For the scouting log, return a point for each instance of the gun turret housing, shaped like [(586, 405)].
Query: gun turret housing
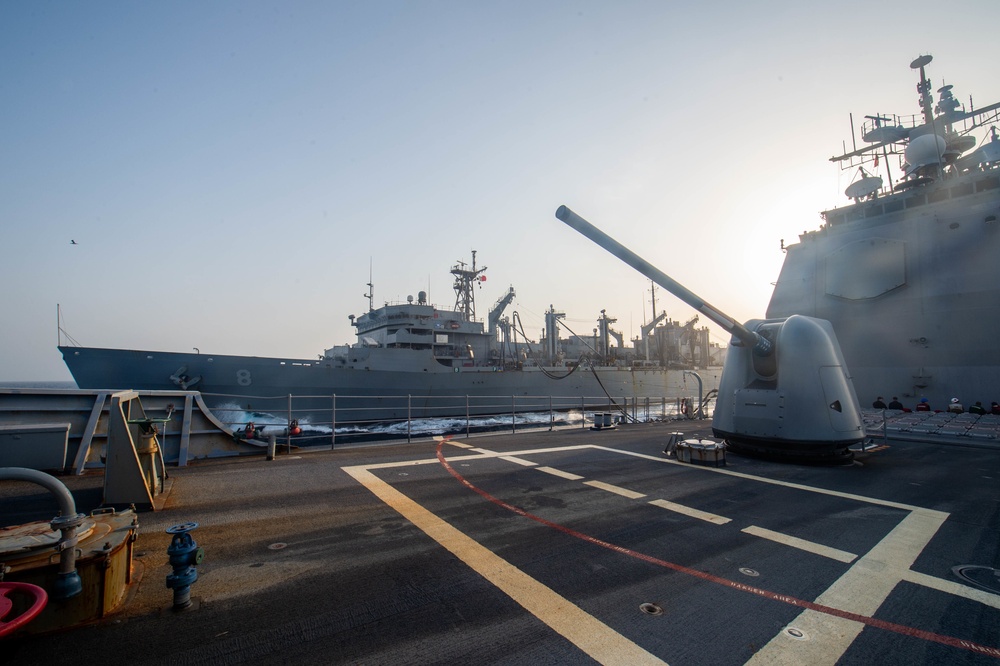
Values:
[(785, 388)]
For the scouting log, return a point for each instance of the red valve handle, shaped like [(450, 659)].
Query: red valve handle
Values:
[(37, 593)]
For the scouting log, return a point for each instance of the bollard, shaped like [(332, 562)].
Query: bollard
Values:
[(672, 441), (272, 445), (184, 554)]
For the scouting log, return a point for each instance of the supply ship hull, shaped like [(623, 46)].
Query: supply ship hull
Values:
[(909, 275), (374, 388)]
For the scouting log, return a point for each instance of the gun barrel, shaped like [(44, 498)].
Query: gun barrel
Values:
[(760, 344)]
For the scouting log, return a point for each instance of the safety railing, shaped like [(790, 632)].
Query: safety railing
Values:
[(321, 421)]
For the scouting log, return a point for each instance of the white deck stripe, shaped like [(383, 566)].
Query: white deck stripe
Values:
[(596, 639), (557, 472), (951, 587), (761, 479), (862, 589), (688, 511), (624, 492), (518, 461), (453, 442), (801, 544)]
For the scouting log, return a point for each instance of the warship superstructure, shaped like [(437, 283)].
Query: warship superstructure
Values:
[(909, 272), (414, 360)]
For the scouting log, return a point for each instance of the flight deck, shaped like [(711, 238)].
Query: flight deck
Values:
[(571, 546)]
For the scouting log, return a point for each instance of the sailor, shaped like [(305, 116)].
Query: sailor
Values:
[(896, 404), (923, 405), (995, 408), (955, 407), (977, 408), (878, 404)]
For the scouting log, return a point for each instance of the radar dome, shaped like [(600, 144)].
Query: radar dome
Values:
[(923, 151)]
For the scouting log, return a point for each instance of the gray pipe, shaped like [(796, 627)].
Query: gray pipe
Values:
[(759, 344), (68, 583), (701, 411)]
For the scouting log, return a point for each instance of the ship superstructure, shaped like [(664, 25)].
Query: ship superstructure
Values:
[(908, 273)]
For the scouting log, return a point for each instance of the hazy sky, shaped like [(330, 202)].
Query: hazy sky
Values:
[(230, 170)]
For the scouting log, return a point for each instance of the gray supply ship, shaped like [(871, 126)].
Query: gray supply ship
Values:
[(416, 360), (909, 273)]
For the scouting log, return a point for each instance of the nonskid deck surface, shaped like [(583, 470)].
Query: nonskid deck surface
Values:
[(572, 546)]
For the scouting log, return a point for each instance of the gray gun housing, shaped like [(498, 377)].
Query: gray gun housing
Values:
[(785, 388)]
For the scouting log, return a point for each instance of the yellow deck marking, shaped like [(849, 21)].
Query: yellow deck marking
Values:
[(557, 472), (801, 544), (596, 639), (862, 589), (624, 492), (688, 511)]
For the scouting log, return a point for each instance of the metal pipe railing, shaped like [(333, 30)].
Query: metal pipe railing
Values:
[(365, 419), (68, 583)]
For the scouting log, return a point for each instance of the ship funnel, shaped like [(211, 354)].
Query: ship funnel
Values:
[(785, 389)]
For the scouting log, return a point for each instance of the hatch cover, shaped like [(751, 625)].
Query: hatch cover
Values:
[(866, 269)]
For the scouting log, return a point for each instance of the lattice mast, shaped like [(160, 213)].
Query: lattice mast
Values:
[(465, 277)]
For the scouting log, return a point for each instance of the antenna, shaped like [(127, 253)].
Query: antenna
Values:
[(924, 87), (652, 289), (371, 288)]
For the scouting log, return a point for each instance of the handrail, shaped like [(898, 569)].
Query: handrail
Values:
[(327, 418)]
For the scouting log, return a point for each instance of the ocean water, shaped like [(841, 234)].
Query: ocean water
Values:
[(37, 385)]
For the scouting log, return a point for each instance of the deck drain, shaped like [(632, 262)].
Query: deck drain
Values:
[(277, 546), (651, 609), (748, 572), (797, 634), (985, 578)]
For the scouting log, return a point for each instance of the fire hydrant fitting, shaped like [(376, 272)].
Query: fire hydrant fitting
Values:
[(184, 555)]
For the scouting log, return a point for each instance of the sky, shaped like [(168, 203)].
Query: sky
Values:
[(233, 172)]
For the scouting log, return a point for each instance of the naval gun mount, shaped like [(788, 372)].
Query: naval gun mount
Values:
[(785, 389)]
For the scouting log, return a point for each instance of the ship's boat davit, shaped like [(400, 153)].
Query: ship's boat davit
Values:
[(785, 389)]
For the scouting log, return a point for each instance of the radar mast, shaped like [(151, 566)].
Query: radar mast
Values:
[(465, 299)]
